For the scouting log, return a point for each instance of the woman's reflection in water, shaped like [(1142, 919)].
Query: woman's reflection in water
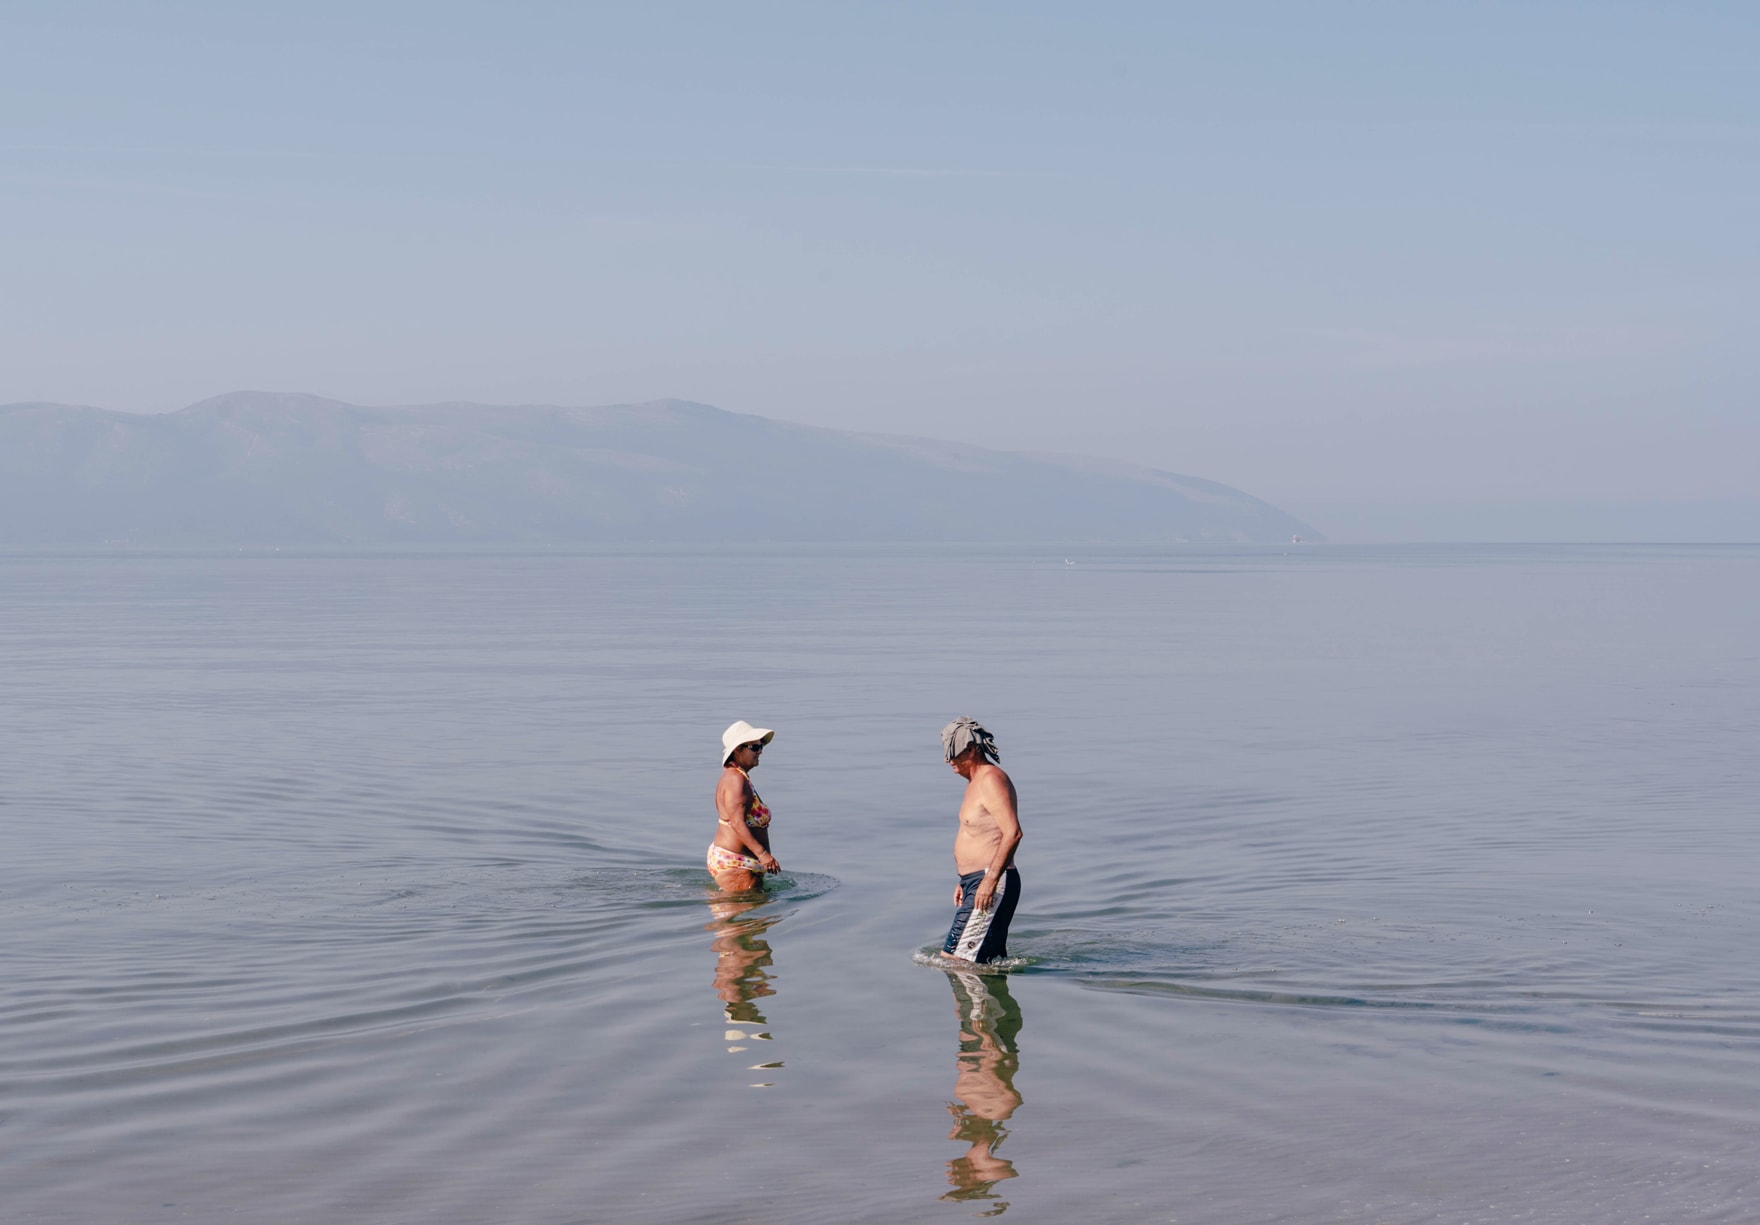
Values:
[(741, 978), (983, 1088)]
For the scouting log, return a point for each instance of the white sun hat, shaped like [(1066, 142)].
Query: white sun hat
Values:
[(743, 733)]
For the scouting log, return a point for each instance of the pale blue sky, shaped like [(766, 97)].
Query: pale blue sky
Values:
[(1342, 255)]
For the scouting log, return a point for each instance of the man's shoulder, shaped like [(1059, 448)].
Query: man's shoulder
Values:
[(991, 774)]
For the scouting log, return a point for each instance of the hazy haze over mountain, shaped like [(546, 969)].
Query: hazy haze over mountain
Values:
[(1414, 271), (268, 468)]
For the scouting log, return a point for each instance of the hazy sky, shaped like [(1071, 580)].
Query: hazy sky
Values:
[(1389, 253)]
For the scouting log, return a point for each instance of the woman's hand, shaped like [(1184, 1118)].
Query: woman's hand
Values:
[(959, 894), (769, 861)]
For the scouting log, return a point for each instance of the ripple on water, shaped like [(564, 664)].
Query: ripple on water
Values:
[(135, 986), (1554, 977), (931, 955)]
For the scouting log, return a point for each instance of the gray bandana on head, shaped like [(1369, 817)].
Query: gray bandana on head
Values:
[(962, 733)]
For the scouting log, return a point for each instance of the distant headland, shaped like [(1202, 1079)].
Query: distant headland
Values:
[(262, 468)]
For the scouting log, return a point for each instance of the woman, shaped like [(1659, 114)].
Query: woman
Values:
[(740, 855)]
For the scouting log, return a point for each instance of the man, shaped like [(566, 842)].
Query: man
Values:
[(983, 849)]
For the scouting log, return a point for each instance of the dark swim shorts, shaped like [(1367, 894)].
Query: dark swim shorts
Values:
[(983, 935)]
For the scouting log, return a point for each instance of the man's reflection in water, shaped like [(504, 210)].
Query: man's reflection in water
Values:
[(983, 1087), (741, 957)]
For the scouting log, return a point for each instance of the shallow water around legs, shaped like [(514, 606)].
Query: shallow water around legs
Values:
[(1360, 885)]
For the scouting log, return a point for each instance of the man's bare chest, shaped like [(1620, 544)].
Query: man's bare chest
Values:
[(974, 818)]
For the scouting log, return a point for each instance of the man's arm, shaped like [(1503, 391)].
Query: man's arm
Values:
[(996, 793)]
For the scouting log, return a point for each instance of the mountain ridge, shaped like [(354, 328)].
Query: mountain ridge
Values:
[(251, 467)]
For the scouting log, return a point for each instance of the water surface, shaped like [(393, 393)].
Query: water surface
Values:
[(1378, 885)]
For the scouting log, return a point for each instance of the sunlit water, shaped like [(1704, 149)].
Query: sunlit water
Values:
[(1360, 885)]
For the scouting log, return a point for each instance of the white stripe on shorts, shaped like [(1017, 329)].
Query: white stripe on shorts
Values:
[(978, 925)]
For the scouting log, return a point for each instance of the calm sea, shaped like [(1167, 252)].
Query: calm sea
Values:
[(1360, 885)]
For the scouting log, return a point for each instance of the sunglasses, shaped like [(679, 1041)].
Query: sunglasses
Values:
[(756, 748)]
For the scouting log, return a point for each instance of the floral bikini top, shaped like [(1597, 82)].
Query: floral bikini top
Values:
[(757, 812)]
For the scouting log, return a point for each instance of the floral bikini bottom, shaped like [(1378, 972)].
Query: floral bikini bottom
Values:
[(723, 860)]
